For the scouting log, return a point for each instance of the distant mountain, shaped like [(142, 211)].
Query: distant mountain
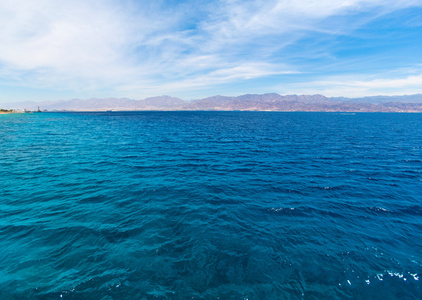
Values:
[(248, 102), (105, 104), (266, 102)]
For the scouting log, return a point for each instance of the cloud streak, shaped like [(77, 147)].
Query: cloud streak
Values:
[(356, 86)]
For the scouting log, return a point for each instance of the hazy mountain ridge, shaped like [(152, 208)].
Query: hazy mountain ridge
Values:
[(247, 102)]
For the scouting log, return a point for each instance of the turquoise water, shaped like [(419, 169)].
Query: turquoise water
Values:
[(208, 205)]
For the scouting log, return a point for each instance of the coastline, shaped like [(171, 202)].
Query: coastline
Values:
[(214, 110), (10, 112)]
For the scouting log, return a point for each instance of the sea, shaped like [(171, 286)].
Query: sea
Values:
[(211, 205)]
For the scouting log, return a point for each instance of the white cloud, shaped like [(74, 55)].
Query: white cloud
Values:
[(359, 85), (77, 42), (212, 79), (246, 19)]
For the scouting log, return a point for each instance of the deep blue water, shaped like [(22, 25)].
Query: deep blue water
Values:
[(208, 205)]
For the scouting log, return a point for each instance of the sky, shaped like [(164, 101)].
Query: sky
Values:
[(56, 50)]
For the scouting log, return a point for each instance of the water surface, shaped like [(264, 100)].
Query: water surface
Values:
[(207, 205)]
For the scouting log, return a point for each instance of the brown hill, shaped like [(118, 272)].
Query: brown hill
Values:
[(248, 102)]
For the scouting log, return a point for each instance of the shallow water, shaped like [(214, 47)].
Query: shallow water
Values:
[(205, 205)]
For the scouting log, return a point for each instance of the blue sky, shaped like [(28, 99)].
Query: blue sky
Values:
[(53, 50)]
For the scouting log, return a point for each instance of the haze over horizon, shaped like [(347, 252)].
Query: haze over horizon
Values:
[(189, 49)]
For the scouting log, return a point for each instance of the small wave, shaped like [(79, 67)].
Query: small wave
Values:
[(282, 209), (379, 209), (304, 212), (329, 188), (381, 277), (399, 275)]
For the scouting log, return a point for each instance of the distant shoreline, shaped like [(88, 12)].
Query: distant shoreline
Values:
[(278, 111), (10, 112)]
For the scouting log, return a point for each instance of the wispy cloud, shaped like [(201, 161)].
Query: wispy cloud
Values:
[(213, 79), (402, 81), (143, 48)]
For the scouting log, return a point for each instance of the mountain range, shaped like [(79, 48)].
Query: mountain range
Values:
[(248, 102)]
